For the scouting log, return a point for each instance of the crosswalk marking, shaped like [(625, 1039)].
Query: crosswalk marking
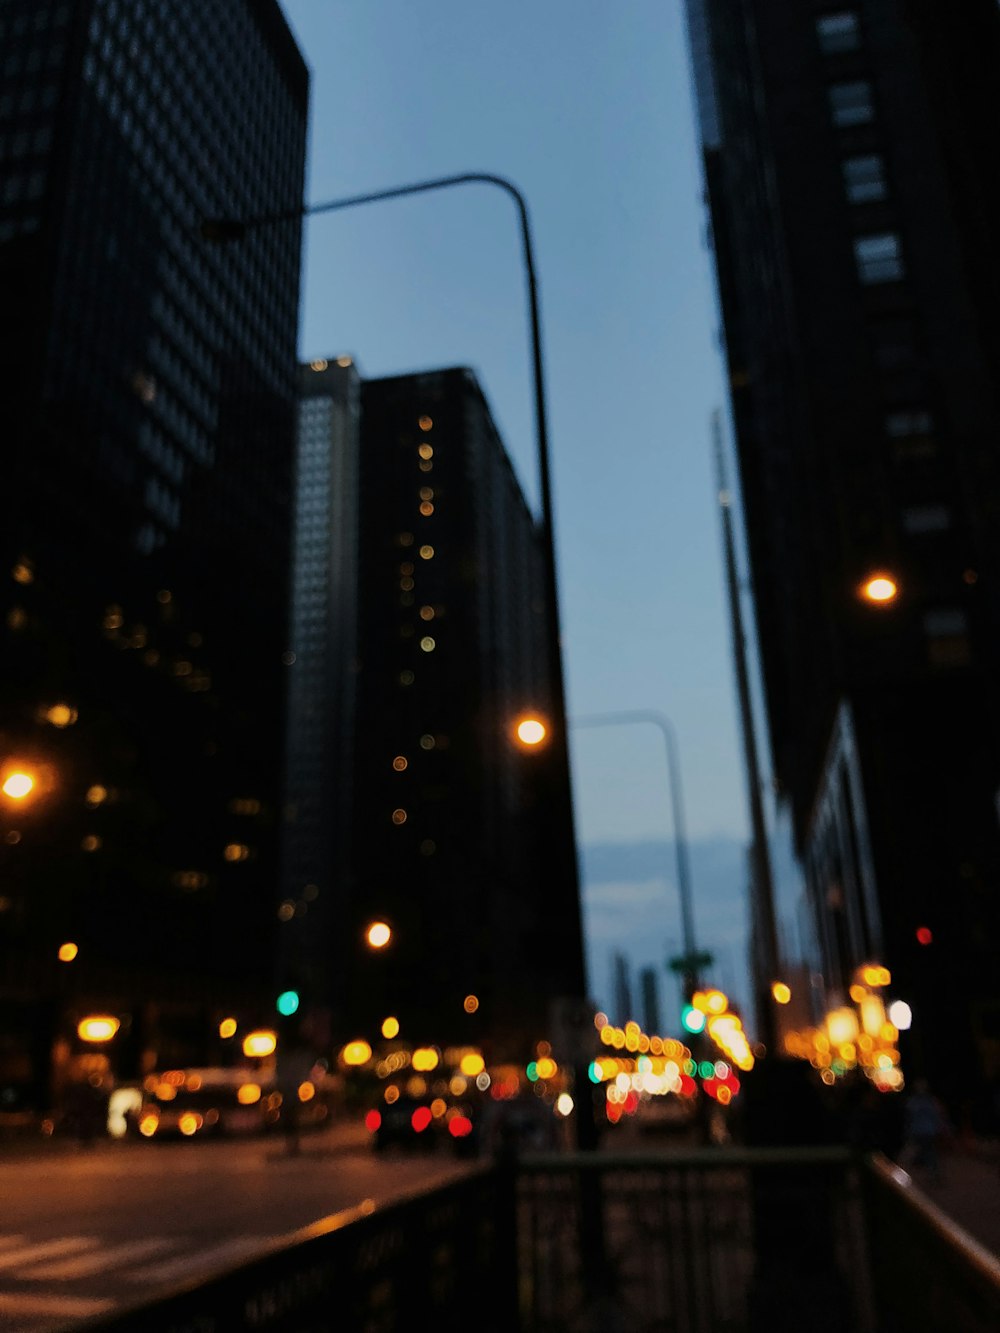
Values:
[(46, 1249), (188, 1265), (27, 1305), (87, 1265)]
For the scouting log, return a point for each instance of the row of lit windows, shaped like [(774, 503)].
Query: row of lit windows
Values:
[(879, 259)]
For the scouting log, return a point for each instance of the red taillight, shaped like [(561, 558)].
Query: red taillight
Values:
[(421, 1118), (459, 1126), (372, 1121)]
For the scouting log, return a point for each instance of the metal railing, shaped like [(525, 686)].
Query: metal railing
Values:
[(705, 1241)]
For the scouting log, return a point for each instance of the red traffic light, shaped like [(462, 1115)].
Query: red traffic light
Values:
[(924, 935)]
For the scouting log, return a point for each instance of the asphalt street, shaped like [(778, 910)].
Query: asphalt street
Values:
[(84, 1231)]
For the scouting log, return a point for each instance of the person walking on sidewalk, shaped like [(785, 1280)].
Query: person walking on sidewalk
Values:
[(926, 1127)]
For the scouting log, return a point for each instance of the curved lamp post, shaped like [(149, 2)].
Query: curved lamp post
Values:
[(233, 229), (692, 960)]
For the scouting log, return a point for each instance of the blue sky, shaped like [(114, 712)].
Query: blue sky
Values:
[(587, 107)]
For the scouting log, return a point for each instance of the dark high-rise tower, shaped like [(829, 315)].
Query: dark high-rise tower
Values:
[(455, 843), (848, 155), (148, 398), (316, 862)]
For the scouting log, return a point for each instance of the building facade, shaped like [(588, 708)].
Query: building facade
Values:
[(149, 421), (847, 152), (316, 861), (458, 844)]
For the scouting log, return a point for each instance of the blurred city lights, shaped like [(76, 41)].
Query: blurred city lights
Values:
[(97, 1027), (248, 1094), (227, 1028), (356, 1052), (17, 785), (924, 935), (67, 952), (261, 1043), (781, 992), (900, 1015), (390, 1027), (470, 1004), (287, 1003)]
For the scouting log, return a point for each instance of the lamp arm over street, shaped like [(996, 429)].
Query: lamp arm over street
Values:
[(689, 964), (233, 229)]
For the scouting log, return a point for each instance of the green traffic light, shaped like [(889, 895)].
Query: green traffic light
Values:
[(287, 1002), (692, 1019)]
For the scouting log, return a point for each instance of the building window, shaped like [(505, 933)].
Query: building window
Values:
[(852, 103), (864, 178), (926, 518), (838, 32), (917, 421), (878, 258), (947, 633)]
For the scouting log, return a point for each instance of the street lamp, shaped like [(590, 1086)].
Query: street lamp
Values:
[(234, 229), (692, 960)]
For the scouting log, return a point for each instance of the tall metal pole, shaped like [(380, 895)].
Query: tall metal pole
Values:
[(232, 229), (691, 956), (763, 885)]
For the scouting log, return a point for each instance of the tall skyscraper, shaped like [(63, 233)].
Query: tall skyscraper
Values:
[(848, 154), (316, 864), (148, 399), (454, 841)]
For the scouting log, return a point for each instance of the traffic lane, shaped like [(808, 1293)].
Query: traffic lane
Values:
[(125, 1191)]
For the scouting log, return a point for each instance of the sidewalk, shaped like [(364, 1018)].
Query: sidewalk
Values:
[(968, 1190)]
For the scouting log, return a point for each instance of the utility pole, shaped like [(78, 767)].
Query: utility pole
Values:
[(763, 885)]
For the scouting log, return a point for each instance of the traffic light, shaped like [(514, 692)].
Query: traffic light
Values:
[(287, 1003), (692, 1019)]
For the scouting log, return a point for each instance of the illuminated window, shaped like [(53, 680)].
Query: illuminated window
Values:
[(427, 644), (852, 103), (405, 539), (399, 816), (838, 32), (878, 258), (406, 567), (864, 178), (406, 584), (399, 763), (427, 613), (427, 553), (427, 742), (426, 451), (425, 423), (425, 467), (426, 508), (427, 492)]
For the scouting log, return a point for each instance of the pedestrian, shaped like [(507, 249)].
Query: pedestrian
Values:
[(926, 1127)]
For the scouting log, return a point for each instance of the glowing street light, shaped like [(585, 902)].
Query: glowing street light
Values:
[(378, 934), (880, 589), (531, 731), (97, 1027), (18, 784), (67, 952)]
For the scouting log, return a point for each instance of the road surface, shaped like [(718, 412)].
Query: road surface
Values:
[(87, 1231)]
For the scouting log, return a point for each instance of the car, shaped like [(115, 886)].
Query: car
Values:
[(417, 1124)]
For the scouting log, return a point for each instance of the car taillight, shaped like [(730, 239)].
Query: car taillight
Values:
[(372, 1121), (421, 1118)]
